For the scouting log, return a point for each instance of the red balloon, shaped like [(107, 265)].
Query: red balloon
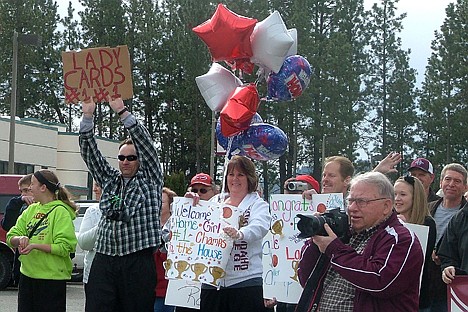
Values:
[(239, 110), (227, 35)]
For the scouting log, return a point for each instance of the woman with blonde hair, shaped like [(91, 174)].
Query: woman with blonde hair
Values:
[(45, 236), (411, 205)]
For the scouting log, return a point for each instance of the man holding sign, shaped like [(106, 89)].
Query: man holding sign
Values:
[(123, 274)]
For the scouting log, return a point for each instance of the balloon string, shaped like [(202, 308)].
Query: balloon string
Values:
[(226, 162)]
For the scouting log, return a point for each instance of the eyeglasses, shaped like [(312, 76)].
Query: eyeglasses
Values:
[(202, 190), (361, 202), (128, 157)]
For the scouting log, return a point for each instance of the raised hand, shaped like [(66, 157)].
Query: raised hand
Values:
[(88, 106)]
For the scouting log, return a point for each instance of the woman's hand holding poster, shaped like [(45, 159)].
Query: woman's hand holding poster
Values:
[(199, 249)]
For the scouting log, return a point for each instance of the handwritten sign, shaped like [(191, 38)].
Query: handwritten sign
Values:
[(285, 244), (182, 293), (97, 73), (199, 249), (287, 292), (457, 294)]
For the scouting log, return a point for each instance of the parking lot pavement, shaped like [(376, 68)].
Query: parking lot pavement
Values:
[(75, 298)]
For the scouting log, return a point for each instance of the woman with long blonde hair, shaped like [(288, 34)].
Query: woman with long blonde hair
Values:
[(411, 205)]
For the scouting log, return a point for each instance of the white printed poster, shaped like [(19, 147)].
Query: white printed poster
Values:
[(199, 249)]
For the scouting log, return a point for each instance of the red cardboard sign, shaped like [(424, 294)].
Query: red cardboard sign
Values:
[(97, 73), (457, 294)]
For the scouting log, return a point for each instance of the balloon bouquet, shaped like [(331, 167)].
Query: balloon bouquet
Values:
[(242, 43)]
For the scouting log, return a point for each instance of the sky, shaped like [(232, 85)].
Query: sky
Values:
[(423, 18)]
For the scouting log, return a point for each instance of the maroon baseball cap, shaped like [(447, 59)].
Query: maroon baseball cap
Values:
[(201, 178), (308, 179), (423, 164)]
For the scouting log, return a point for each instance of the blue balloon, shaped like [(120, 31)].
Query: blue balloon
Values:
[(264, 142), (291, 80), (237, 139), (224, 141)]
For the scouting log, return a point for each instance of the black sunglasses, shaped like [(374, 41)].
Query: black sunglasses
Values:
[(202, 190), (409, 179), (128, 157)]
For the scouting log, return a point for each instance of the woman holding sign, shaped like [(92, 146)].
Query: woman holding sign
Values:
[(241, 287)]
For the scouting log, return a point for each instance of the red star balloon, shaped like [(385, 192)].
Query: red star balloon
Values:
[(239, 110), (227, 35)]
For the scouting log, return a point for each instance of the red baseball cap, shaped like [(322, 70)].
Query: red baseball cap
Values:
[(201, 178), (308, 179), (423, 164)]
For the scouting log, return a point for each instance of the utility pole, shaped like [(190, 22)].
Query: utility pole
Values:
[(30, 39)]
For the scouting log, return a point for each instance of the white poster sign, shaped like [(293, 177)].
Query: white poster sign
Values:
[(199, 249)]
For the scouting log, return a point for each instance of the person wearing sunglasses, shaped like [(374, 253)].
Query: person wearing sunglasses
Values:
[(377, 270), (129, 229), (411, 206), (203, 185)]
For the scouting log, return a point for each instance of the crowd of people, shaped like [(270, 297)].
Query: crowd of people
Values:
[(375, 266)]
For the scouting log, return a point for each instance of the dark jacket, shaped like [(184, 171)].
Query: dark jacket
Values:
[(425, 292), (453, 250), (386, 274), (438, 289), (432, 196), (13, 210)]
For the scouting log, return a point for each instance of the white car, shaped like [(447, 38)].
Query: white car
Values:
[(78, 260)]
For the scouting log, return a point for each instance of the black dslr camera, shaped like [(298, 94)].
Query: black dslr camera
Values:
[(116, 215), (310, 225), (116, 212)]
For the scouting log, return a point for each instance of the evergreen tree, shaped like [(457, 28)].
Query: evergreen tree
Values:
[(444, 95), (384, 56)]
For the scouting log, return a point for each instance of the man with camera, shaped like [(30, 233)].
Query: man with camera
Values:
[(123, 274), (300, 184), (375, 266)]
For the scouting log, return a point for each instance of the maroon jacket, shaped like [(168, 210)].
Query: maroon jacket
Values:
[(386, 275)]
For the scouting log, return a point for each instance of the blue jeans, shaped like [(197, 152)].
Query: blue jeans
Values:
[(159, 306)]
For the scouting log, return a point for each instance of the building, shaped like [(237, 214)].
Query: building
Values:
[(44, 145)]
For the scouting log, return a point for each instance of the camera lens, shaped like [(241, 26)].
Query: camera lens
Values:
[(291, 186)]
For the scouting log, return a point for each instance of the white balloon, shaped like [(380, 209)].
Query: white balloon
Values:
[(216, 86), (270, 42), (293, 49)]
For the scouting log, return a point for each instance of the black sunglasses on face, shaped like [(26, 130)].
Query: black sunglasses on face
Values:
[(128, 157), (202, 190)]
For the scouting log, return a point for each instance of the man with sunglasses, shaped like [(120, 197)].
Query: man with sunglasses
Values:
[(122, 277), (203, 185), (377, 270)]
